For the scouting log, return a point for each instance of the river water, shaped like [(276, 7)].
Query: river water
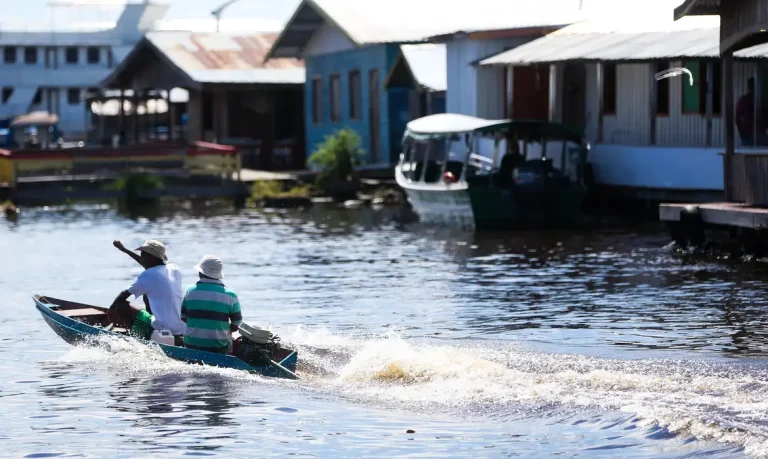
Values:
[(592, 343)]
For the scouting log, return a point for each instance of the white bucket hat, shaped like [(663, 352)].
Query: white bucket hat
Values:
[(211, 266), (154, 248)]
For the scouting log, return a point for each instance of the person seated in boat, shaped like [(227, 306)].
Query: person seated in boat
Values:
[(210, 310), (160, 285)]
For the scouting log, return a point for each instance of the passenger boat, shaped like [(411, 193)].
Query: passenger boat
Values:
[(538, 181), (79, 323)]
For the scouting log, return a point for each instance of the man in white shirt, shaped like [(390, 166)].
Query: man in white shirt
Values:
[(160, 284)]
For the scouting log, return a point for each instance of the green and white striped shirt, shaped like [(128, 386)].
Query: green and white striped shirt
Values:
[(209, 308)]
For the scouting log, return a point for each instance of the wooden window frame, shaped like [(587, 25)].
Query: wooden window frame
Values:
[(316, 99), (611, 111), (334, 97), (355, 94)]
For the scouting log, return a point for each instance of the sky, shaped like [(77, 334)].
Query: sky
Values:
[(40, 15)]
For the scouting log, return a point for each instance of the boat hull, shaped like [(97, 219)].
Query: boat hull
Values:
[(78, 333)]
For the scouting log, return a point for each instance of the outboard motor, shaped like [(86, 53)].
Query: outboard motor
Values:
[(257, 345)]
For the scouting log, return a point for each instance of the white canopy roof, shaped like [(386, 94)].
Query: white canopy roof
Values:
[(449, 123)]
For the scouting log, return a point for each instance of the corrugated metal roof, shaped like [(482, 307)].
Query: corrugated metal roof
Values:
[(611, 39), (224, 58), (403, 21), (428, 65)]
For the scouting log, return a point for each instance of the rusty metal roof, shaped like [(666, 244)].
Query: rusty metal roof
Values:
[(227, 58)]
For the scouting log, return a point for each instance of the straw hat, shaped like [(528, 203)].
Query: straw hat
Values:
[(211, 266), (154, 248)]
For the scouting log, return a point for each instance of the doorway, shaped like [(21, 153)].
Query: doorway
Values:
[(530, 86), (374, 115), (575, 95)]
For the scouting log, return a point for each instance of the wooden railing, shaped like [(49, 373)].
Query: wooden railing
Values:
[(200, 158), (749, 179)]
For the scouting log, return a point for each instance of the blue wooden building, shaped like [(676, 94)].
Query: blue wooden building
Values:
[(349, 59)]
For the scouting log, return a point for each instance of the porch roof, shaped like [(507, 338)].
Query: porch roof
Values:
[(628, 40), (425, 64), (697, 8), (213, 58)]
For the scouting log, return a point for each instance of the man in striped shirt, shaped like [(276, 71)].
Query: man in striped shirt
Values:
[(210, 310)]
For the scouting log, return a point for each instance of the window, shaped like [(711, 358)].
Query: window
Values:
[(692, 94), (30, 55), (38, 99), (317, 100), (355, 95), (609, 88), (662, 90), (717, 88), (94, 55), (73, 96), (71, 55), (7, 93), (9, 55), (335, 98)]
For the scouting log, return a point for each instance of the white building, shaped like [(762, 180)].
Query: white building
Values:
[(51, 71)]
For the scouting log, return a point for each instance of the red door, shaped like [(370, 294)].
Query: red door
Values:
[(530, 96)]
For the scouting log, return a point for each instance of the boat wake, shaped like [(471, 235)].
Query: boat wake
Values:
[(720, 402), (710, 401)]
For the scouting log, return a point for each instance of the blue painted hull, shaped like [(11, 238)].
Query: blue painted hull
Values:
[(75, 332)]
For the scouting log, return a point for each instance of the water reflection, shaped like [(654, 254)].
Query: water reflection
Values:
[(177, 400)]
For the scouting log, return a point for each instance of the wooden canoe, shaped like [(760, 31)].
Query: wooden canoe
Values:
[(75, 323)]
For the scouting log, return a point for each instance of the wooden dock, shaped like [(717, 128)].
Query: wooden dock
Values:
[(729, 214)]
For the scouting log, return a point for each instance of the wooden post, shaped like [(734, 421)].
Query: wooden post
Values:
[(510, 92), (136, 130), (653, 108), (553, 99), (710, 100), (171, 118), (755, 109), (758, 104), (730, 139), (121, 120), (600, 102)]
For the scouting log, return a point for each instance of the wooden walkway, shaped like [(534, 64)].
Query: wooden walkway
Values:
[(720, 213)]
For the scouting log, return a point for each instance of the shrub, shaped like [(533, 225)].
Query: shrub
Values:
[(336, 158)]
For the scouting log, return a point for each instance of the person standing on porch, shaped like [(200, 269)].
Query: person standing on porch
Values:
[(745, 118)]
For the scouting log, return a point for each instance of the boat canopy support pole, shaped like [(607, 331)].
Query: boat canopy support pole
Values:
[(427, 149), (510, 91), (468, 143)]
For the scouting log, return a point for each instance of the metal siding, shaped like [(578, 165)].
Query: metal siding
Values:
[(362, 59), (474, 90), (631, 124), (461, 95)]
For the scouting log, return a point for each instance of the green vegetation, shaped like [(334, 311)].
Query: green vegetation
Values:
[(135, 185), (266, 189), (336, 158)]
